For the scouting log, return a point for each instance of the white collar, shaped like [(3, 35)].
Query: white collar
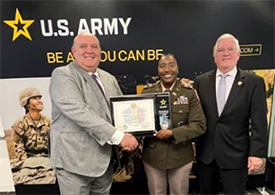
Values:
[(231, 73), (96, 73)]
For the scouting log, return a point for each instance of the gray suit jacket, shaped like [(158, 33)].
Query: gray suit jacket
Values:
[(81, 120)]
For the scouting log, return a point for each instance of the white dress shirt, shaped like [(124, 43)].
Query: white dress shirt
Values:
[(118, 135), (229, 81)]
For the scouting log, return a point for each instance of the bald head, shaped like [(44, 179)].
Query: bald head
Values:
[(85, 34), (87, 51)]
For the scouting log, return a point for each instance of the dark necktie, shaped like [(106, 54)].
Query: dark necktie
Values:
[(99, 86), (115, 154)]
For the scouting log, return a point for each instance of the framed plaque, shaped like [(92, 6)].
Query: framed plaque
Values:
[(143, 114)]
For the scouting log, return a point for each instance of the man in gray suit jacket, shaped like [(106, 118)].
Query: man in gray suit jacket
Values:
[(82, 134)]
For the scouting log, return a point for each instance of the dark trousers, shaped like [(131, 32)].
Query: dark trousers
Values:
[(209, 175)]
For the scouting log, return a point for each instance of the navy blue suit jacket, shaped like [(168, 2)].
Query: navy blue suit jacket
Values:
[(241, 130)]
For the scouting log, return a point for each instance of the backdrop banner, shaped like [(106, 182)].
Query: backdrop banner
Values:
[(36, 37)]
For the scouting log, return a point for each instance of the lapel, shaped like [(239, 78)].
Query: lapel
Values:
[(212, 90), (104, 80), (158, 88), (236, 87), (175, 93), (95, 88)]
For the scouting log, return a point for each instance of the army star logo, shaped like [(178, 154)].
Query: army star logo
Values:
[(162, 102), (20, 26)]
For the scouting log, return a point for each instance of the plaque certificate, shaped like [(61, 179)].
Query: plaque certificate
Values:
[(142, 114), (134, 115)]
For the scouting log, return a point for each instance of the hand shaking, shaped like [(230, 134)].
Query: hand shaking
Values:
[(128, 142)]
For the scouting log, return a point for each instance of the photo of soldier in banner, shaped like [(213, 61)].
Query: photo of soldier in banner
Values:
[(28, 142)]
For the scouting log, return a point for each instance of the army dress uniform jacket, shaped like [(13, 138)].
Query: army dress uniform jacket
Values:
[(188, 122), (30, 138)]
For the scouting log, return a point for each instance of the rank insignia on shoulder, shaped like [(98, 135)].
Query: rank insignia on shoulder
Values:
[(187, 83), (151, 84)]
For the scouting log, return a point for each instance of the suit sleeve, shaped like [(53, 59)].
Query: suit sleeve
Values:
[(258, 111), (66, 95), (196, 84), (196, 122)]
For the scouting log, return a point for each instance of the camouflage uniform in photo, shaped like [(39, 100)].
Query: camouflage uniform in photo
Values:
[(30, 165), (29, 138)]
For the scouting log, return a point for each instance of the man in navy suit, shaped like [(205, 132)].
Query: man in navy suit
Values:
[(236, 135)]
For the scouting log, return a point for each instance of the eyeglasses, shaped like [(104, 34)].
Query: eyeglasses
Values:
[(229, 50)]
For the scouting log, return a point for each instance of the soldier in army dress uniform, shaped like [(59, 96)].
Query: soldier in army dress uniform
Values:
[(168, 156), (30, 132)]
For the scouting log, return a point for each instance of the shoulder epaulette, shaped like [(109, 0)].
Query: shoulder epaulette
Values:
[(188, 86), (186, 83), (149, 85)]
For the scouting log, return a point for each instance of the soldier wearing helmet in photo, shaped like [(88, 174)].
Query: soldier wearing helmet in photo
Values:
[(30, 132)]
